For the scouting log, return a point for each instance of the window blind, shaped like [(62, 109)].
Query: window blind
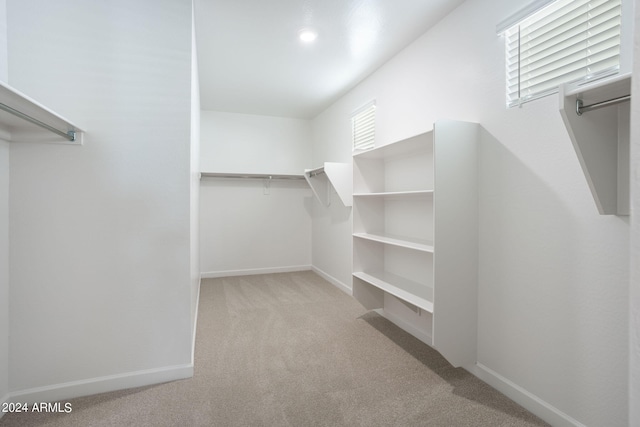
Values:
[(567, 41), (363, 124)]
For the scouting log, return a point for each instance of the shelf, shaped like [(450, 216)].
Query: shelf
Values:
[(336, 175), (396, 194), (415, 216), (33, 122), (408, 146), (412, 292), (600, 138), (398, 167), (248, 176), (404, 242)]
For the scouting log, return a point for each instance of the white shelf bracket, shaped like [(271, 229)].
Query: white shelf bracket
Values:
[(336, 175)]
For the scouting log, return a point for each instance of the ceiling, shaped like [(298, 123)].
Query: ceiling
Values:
[(251, 59)]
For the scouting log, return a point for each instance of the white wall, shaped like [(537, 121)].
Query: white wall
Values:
[(242, 229), (553, 276), (100, 268), (634, 335), (254, 144), (4, 225)]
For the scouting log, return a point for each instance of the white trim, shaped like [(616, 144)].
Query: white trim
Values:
[(253, 271), (335, 282), (72, 389), (528, 400), (521, 15)]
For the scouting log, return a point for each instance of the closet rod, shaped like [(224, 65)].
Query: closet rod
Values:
[(70, 135), (248, 176), (580, 108), (315, 172)]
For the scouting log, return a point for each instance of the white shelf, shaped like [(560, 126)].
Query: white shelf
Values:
[(412, 292), (600, 138), (19, 129), (411, 146), (403, 242), (399, 168), (331, 174), (396, 194)]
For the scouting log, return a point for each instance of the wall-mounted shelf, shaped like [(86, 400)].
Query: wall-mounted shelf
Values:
[(24, 119), (331, 174), (596, 116)]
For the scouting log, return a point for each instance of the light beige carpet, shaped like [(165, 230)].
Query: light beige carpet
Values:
[(292, 350)]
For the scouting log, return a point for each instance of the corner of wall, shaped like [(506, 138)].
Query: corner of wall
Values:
[(4, 271), (634, 282)]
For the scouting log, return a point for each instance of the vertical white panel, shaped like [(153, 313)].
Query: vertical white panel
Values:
[(456, 241), (194, 219), (4, 269)]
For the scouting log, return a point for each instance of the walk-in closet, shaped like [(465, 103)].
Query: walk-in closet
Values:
[(319, 212)]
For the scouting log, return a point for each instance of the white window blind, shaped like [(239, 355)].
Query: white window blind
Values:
[(567, 41), (363, 123)]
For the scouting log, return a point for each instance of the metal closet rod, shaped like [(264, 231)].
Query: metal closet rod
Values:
[(70, 135), (580, 108), (248, 176)]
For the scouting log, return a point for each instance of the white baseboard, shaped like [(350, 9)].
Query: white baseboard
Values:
[(253, 271), (527, 400), (335, 282), (70, 390), (195, 326)]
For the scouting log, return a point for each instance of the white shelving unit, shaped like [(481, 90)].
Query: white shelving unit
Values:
[(415, 232), (331, 175), (24, 119), (599, 133)]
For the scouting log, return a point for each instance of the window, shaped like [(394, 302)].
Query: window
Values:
[(566, 41), (363, 125)]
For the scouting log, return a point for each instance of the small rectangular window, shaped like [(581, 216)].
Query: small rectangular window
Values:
[(566, 41), (363, 125)]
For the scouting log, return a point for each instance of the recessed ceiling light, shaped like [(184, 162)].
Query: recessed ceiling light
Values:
[(307, 35)]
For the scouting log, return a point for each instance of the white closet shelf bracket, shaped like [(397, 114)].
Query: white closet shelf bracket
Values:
[(18, 113), (331, 174), (315, 172)]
